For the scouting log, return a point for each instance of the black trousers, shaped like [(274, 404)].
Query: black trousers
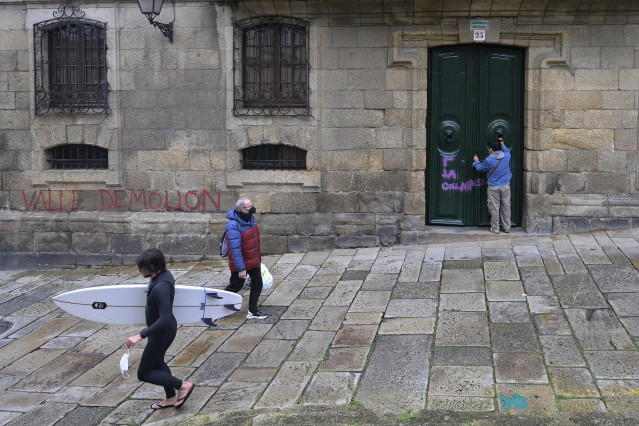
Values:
[(153, 369), (236, 283)]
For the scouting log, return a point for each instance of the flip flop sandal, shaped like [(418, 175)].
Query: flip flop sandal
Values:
[(183, 399), (158, 405)]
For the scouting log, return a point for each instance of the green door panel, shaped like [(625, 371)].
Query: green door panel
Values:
[(475, 91), (447, 136)]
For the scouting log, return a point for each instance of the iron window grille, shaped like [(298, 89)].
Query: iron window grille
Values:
[(271, 66), (273, 157), (78, 157), (70, 63)]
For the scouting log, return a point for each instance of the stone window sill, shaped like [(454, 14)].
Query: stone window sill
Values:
[(47, 177), (240, 179)]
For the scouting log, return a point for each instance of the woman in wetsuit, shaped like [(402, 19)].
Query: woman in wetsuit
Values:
[(161, 330)]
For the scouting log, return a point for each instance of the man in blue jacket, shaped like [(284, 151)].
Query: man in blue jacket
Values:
[(243, 239), (497, 165)]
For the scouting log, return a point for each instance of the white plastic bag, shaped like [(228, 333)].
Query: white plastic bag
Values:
[(267, 278), (124, 365)]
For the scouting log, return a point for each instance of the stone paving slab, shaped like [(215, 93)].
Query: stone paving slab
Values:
[(59, 372), (402, 387), (463, 302), (621, 396), (536, 281), (345, 359), (613, 364), (573, 382), (85, 416), (513, 338), (329, 318), (411, 308), (460, 403), (455, 326), (599, 329), (47, 413), (269, 353), (355, 335), (462, 329), (509, 312), (288, 385), (501, 271), (578, 290), (416, 290), (561, 351), (519, 368), (543, 304), (21, 401), (462, 281), (552, 324), (540, 399), (582, 405), (331, 388), (615, 278), (462, 355), (475, 381), (234, 396), (312, 346), (625, 304), (370, 301), (32, 361), (407, 326), (34, 339), (380, 282)]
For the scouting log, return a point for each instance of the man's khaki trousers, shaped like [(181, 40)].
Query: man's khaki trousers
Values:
[(499, 206)]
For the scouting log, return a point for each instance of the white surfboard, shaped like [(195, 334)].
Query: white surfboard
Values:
[(124, 304)]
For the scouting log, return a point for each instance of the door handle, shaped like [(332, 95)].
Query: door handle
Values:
[(463, 162), (448, 135), (499, 133)]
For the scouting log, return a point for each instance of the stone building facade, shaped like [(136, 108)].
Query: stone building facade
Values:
[(177, 129)]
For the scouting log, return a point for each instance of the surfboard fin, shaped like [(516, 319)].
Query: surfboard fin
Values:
[(209, 322), (232, 308), (214, 295)]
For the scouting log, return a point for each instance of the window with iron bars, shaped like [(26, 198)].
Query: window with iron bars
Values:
[(271, 66), (273, 157), (78, 157), (70, 64)]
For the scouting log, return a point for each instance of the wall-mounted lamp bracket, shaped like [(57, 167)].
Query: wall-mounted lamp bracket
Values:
[(166, 29)]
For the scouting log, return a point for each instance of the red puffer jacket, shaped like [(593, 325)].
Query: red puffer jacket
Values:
[(243, 240)]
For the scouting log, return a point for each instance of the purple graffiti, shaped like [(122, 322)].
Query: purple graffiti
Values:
[(448, 174), (464, 186)]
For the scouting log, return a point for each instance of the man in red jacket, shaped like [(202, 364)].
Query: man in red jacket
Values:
[(243, 239)]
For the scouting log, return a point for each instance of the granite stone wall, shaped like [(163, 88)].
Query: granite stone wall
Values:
[(175, 145)]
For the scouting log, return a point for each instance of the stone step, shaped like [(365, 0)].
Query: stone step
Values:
[(454, 234)]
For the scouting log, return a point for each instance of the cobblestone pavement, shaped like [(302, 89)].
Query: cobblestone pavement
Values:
[(532, 326)]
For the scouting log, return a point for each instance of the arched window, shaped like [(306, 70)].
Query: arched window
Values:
[(271, 66), (273, 157), (70, 63), (78, 157)]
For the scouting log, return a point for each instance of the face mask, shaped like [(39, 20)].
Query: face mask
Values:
[(252, 210), (124, 365)]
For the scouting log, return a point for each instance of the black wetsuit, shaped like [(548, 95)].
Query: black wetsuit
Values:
[(161, 330)]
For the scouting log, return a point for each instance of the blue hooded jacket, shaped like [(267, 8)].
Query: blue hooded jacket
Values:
[(502, 175), (243, 238)]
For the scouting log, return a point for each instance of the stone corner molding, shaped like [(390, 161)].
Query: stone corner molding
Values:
[(408, 49)]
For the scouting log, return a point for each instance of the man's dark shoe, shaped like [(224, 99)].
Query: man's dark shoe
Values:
[(256, 315)]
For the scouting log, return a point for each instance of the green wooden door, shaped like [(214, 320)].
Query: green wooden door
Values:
[(474, 93)]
